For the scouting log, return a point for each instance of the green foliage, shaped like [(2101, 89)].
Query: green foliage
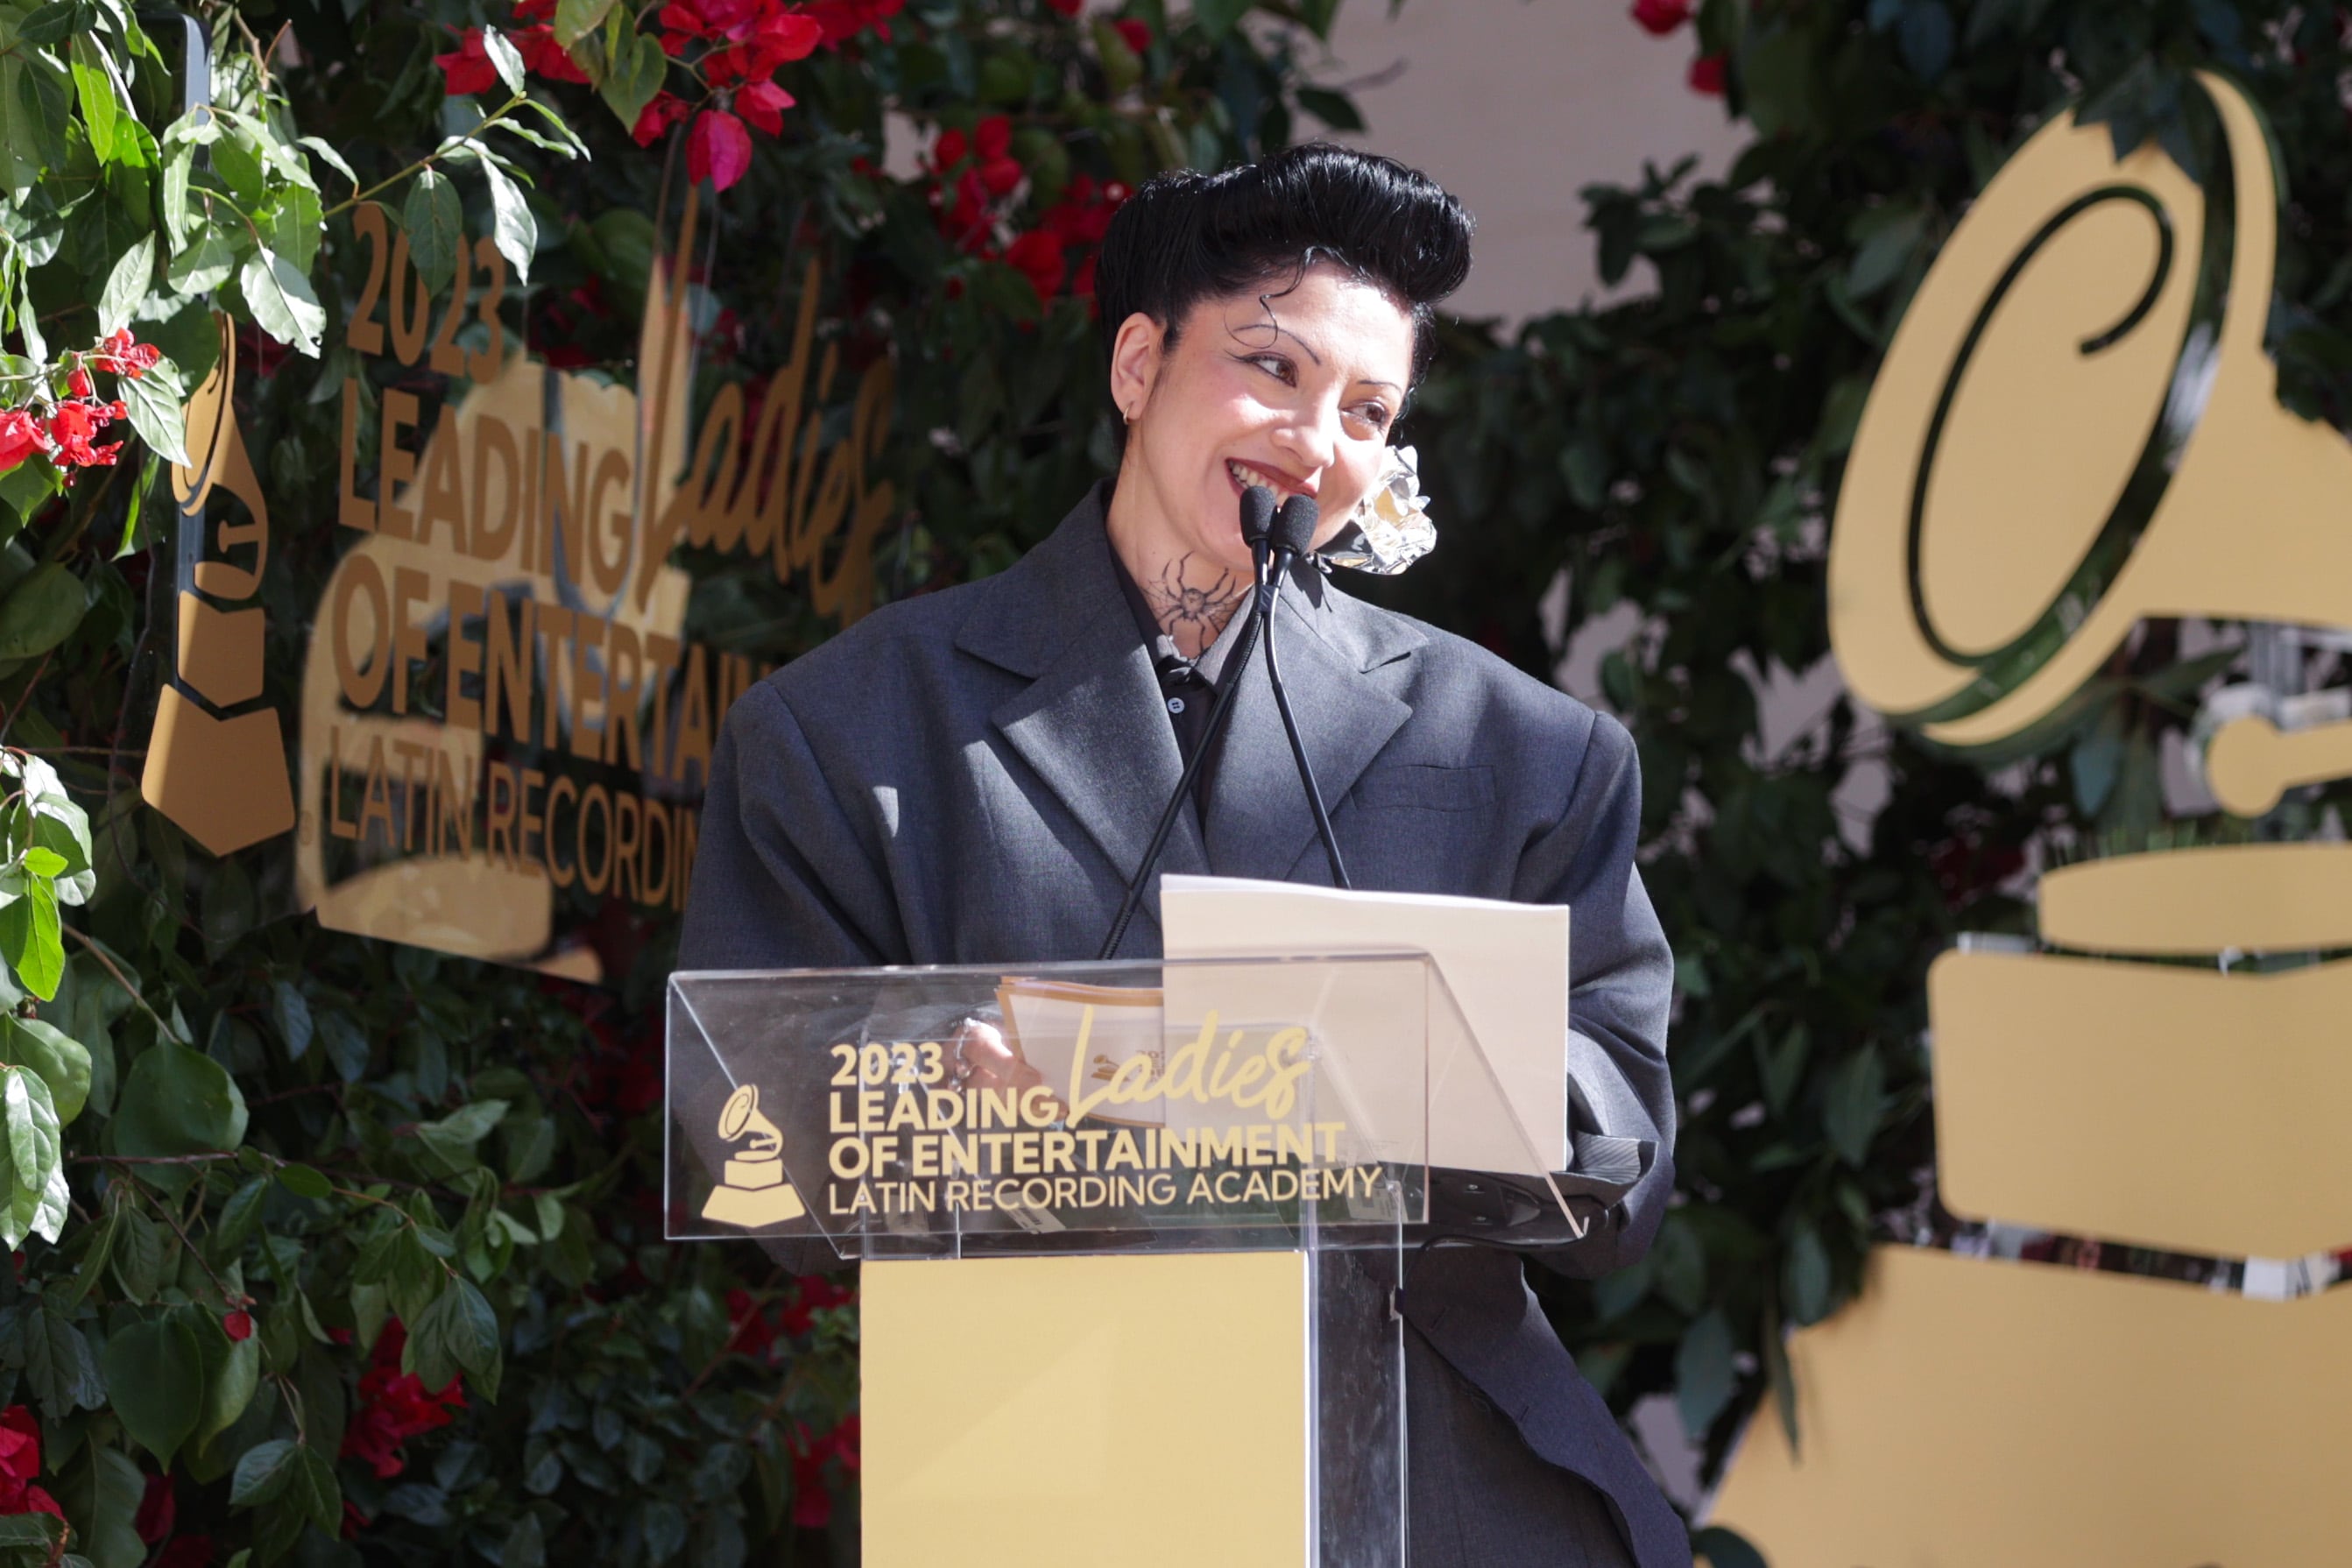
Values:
[(1680, 454)]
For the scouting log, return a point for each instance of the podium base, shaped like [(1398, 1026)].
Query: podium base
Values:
[(1150, 1411)]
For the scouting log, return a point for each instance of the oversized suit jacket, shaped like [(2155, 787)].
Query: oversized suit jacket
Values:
[(972, 776)]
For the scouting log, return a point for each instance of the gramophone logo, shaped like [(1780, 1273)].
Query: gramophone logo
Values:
[(752, 1191), (2076, 429)]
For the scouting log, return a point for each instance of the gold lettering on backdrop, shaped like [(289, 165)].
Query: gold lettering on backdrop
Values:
[(508, 584)]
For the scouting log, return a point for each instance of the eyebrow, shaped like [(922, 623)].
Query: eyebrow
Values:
[(1282, 331)]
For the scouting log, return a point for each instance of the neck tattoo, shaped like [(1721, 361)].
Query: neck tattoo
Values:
[(1191, 606)]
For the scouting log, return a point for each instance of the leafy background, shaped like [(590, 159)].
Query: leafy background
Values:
[(240, 1151)]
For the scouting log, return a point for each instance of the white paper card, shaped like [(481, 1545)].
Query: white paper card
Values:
[(1506, 964)]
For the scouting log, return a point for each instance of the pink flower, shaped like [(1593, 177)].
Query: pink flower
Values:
[(717, 149), (1661, 16), (666, 110), (763, 104)]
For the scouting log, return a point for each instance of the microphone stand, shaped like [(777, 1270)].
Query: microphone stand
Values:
[(1293, 532), (1257, 508)]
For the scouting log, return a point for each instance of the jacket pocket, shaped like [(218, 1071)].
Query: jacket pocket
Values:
[(1428, 786)]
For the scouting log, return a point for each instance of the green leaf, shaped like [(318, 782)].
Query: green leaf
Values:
[(1805, 1276), (504, 59), (176, 1101), (282, 302), (62, 1063), (304, 1182), (293, 1011), (452, 1139), (238, 1219), (232, 1373), (457, 1332), (1855, 1099), (102, 1495), (41, 611), (436, 227), (32, 939), (576, 19), (1705, 1376), (635, 74), (516, 233), (94, 85), (139, 1256), (203, 266), (1725, 1548), (1336, 110), (50, 24), (126, 286), (59, 1365), (36, 1166), (156, 404), (292, 226), (264, 1473), (157, 1383), (327, 155)]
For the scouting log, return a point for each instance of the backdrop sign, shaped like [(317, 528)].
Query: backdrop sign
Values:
[(2077, 429), (498, 723)]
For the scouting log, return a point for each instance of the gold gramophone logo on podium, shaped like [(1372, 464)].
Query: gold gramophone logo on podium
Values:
[(752, 1191), (2076, 429)]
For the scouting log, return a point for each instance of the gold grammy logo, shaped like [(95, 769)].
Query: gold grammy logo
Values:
[(2076, 429), (753, 1190), (220, 775)]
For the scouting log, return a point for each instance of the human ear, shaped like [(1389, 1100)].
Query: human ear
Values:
[(1135, 364)]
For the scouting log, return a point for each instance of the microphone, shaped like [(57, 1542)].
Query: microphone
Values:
[(1256, 520), (1292, 535)]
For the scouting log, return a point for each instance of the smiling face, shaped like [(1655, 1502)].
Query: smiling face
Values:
[(1294, 390)]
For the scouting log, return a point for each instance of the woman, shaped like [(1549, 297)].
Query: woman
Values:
[(973, 776)]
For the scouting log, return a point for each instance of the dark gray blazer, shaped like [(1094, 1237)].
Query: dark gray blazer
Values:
[(970, 776)]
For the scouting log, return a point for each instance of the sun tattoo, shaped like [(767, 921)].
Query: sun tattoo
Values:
[(1180, 606)]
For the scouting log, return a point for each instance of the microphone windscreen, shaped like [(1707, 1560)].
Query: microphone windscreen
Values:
[(1257, 514), (1294, 526)]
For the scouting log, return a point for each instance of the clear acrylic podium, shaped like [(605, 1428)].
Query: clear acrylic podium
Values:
[(1135, 1302)]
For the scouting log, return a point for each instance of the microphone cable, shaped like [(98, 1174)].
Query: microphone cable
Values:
[(1292, 535), (1257, 517)]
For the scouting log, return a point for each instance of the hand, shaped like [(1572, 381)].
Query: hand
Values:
[(981, 1057)]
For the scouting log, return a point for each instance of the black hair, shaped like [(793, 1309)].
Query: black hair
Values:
[(1185, 236)]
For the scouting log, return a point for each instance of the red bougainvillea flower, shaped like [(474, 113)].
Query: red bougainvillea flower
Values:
[(1067, 7), (1661, 16), (1707, 76), (159, 1510), (992, 137), (528, 11), (237, 1326), (1137, 35), (949, 150), (20, 1462), (542, 56), (394, 1406), (124, 355), (78, 382), (845, 20), (188, 1551), (774, 39), (467, 68), (717, 149), (811, 1499), (21, 435), (763, 104), (812, 1293), (1037, 256), (666, 110), (72, 425)]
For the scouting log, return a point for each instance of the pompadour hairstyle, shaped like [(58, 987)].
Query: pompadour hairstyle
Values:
[(1185, 236)]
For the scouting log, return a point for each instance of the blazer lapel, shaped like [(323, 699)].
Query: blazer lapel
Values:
[(1090, 724), (1341, 664)]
